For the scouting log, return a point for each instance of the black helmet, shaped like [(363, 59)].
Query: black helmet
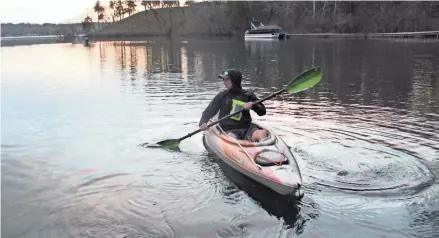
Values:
[(234, 75)]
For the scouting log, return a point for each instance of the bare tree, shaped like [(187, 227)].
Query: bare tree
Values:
[(119, 9), (313, 9), (99, 10), (131, 7)]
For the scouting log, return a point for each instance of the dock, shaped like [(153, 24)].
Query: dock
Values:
[(417, 34)]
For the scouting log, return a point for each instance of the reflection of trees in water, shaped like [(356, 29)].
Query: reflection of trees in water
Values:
[(184, 64), (370, 72), (358, 71), (163, 62), (102, 52), (174, 57), (155, 57), (198, 62), (133, 62), (423, 81), (102, 56), (147, 57), (261, 63), (436, 78), (378, 71), (120, 56)]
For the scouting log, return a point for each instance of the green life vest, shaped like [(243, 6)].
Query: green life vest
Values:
[(236, 106)]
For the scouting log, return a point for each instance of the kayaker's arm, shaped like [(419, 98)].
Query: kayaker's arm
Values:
[(258, 108), (212, 109)]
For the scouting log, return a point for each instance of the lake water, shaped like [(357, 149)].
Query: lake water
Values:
[(366, 139)]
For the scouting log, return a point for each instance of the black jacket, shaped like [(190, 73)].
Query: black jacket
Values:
[(223, 103)]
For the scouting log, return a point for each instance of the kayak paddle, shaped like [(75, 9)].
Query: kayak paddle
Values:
[(305, 80)]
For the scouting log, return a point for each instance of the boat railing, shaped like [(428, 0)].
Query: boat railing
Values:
[(255, 26)]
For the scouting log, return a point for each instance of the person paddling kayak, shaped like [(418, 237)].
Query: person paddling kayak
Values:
[(231, 100)]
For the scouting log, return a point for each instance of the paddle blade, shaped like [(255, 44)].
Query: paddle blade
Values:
[(305, 80), (173, 143), (168, 144)]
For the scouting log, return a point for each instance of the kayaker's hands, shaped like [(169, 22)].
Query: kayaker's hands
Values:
[(203, 127), (248, 106)]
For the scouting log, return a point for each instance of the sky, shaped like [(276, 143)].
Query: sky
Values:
[(47, 11), (44, 11)]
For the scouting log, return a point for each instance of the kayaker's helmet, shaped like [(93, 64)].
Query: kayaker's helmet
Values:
[(234, 75)]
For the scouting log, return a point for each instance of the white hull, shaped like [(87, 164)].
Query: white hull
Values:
[(271, 36), (261, 40)]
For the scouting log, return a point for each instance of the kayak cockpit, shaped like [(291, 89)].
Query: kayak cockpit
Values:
[(270, 158), (265, 157), (270, 140)]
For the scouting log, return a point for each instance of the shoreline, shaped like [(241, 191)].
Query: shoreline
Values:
[(35, 39), (419, 34), (414, 34)]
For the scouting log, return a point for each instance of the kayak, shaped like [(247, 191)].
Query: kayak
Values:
[(268, 162)]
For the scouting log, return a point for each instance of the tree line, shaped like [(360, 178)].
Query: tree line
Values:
[(354, 16), (118, 10), (296, 16), (233, 17), (338, 16)]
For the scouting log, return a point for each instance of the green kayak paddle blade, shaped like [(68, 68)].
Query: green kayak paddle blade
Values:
[(165, 143), (305, 80), (171, 148), (173, 143)]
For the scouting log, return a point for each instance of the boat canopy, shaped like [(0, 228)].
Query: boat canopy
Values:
[(256, 25)]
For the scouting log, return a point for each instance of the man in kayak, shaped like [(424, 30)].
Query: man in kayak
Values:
[(231, 100)]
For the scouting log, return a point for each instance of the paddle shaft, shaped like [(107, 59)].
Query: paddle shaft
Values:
[(235, 113)]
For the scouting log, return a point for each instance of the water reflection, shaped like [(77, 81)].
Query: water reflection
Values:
[(424, 76), (133, 63), (267, 64)]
